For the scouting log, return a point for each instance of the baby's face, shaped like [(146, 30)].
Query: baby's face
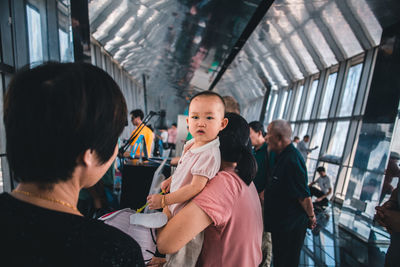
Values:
[(206, 118)]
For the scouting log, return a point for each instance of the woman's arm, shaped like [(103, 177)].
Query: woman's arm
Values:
[(182, 228)]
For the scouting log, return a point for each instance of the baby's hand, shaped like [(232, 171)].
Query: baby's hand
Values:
[(166, 185), (154, 201)]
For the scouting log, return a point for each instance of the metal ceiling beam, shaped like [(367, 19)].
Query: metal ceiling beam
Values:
[(291, 49), (115, 28), (355, 25), (94, 25), (306, 42), (326, 32), (258, 15), (279, 57)]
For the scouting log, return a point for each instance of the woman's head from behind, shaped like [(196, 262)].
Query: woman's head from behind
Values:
[(206, 116), (54, 113), (235, 146)]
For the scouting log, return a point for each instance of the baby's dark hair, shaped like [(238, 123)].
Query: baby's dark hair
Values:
[(208, 93), (235, 146)]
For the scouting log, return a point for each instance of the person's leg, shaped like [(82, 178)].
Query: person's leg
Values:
[(280, 253), (294, 247), (315, 191)]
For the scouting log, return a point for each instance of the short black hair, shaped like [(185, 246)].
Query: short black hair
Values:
[(53, 113), (174, 124), (137, 113), (235, 146), (208, 93), (296, 138), (321, 169), (306, 136), (257, 127)]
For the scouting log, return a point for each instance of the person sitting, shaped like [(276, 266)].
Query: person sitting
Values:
[(325, 188), (80, 110), (227, 205)]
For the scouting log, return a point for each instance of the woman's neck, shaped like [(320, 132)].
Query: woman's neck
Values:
[(62, 197), (225, 165)]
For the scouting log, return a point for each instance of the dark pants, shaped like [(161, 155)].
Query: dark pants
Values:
[(286, 247), (318, 193)]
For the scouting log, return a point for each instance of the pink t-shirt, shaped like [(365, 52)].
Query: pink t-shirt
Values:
[(204, 161), (235, 235)]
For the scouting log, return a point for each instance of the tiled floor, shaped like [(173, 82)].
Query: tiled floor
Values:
[(332, 245)]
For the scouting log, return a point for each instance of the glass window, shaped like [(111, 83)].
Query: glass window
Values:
[(287, 108), (271, 109), (297, 103), (65, 32), (34, 34), (303, 130), (316, 139), (338, 138), (310, 99), (350, 91), (327, 100), (311, 166), (282, 104)]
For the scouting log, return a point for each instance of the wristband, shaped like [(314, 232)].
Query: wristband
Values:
[(312, 216)]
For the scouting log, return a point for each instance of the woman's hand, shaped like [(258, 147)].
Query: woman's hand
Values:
[(166, 185), (154, 201), (388, 218)]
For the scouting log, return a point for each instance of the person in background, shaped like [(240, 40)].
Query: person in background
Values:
[(261, 154), (172, 134), (288, 209), (296, 140), (388, 215), (303, 147), (231, 104), (136, 119), (324, 190), (81, 105)]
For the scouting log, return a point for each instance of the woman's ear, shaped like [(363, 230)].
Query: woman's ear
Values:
[(89, 158), (224, 123)]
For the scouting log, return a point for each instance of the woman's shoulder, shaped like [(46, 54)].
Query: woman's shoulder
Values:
[(228, 179)]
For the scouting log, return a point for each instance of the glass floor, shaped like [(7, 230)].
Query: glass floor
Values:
[(332, 245)]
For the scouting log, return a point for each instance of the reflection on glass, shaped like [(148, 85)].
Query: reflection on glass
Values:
[(338, 138), (329, 249), (316, 139), (350, 91), (311, 166), (297, 103), (34, 34), (310, 100), (327, 99), (282, 104)]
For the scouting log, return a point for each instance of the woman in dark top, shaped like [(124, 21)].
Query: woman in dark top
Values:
[(62, 123)]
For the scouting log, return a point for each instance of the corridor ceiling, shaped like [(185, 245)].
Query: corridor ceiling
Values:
[(181, 45)]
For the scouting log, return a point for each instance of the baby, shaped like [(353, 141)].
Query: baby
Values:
[(200, 162)]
